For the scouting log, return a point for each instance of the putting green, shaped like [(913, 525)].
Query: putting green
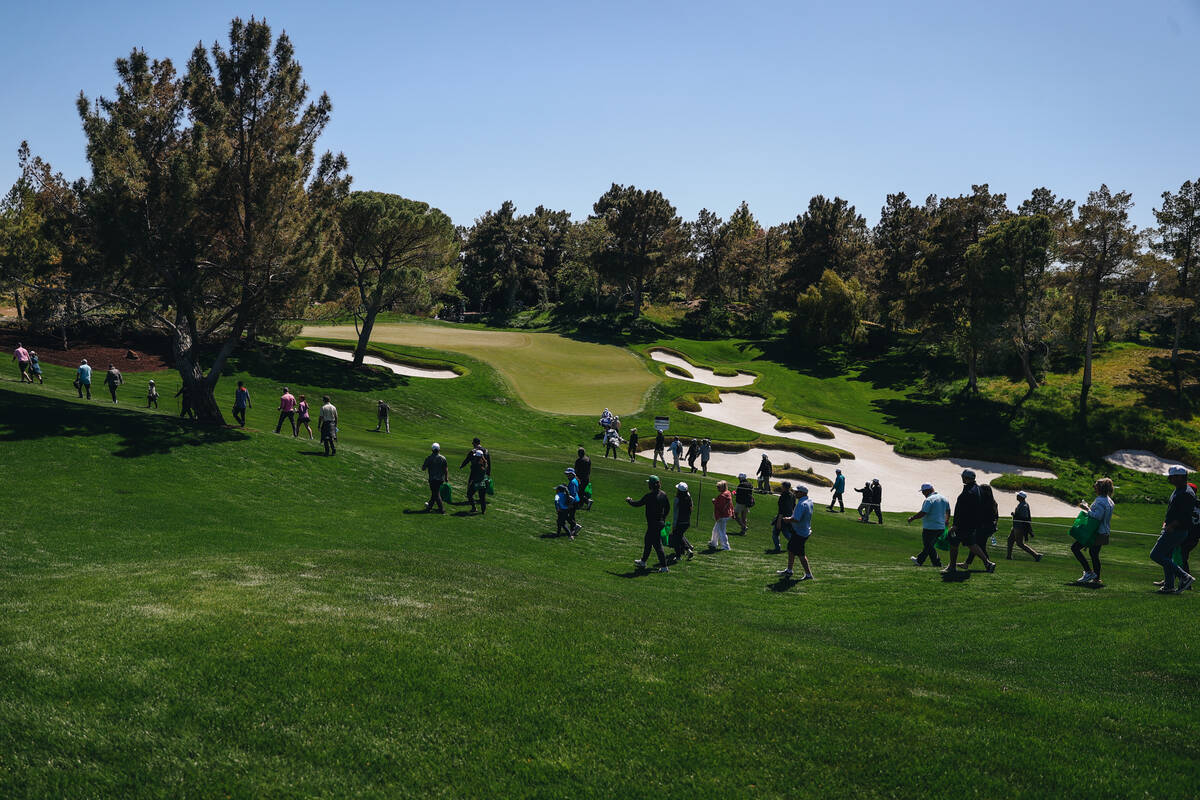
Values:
[(549, 372)]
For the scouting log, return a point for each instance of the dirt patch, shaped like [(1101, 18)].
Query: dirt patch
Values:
[(153, 353)]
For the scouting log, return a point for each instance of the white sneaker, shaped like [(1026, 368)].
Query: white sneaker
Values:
[(1086, 577), (914, 560), (806, 576), (726, 547), (640, 564), (786, 573), (663, 569)]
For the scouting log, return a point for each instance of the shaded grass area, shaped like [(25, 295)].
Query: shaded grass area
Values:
[(236, 618)]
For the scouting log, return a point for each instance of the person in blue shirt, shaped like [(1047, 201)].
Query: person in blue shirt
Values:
[(83, 379), (801, 522), (839, 486), (935, 513), (573, 496), (1174, 530), (562, 507)]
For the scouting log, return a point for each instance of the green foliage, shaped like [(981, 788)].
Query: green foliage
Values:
[(831, 311), (830, 235), (644, 233)]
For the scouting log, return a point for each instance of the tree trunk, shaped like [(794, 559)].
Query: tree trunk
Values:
[(1177, 374), (197, 391), (17, 303), (972, 370), (637, 297), (1026, 368), (364, 336), (1087, 351)]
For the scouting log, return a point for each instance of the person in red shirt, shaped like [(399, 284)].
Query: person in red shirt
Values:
[(722, 513)]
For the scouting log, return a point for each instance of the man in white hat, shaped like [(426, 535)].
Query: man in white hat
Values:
[(935, 516), (435, 464), (1174, 530), (1022, 528)]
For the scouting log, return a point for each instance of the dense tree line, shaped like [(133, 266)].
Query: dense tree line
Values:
[(208, 215)]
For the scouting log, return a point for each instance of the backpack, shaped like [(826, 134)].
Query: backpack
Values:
[(991, 512)]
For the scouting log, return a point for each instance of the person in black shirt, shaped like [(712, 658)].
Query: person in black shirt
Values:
[(660, 449), (991, 521), (876, 504), (477, 480), (435, 464), (633, 445), (968, 518), (1175, 529), (693, 452), (657, 508), (1193, 537), (1022, 528), (743, 498), (682, 521), (785, 508), (583, 471)]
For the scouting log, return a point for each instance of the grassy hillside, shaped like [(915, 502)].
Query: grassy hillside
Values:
[(223, 613)]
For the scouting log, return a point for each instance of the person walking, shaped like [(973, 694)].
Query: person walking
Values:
[(764, 475), (382, 410), (612, 441), (657, 506), (477, 477), (21, 356), (328, 420), (83, 379), (968, 519), (705, 453), (573, 493), (693, 452), (287, 410), (801, 522), (616, 425), (35, 368), (185, 403), (241, 402), (676, 448), (633, 444), (680, 523), (839, 488), (113, 379), (743, 496), (1100, 510), (151, 395), (722, 513), (302, 417), (436, 468), (1176, 525), (583, 471), (1022, 528), (1193, 537), (991, 522), (935, 518), (784, 508), (876, 502), (660, 449), (864, 503), (562, 507)]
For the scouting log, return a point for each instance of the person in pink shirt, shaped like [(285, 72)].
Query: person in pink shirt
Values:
[(287, 410), (21, 356), (304, 417)]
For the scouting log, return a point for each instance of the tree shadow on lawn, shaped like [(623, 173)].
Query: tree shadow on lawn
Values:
[(286, 366), (29, 417)]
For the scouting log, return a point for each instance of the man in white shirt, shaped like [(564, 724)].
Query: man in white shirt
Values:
[(329, 420)]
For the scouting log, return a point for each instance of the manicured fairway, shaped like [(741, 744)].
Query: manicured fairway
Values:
[(549, 372), (222, 613)]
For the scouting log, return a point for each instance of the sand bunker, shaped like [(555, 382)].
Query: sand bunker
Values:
[(399, 369), (900, 475), (700, 374), (1144, 461)]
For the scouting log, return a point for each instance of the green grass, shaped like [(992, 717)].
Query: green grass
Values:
[(220, 613)]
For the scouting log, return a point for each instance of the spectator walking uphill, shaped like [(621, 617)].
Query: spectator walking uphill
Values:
[(562, 511), (1101, 511), (660, 449), (783, 510), (874, 502), (436, 467), (151, 395), (302, 417), (35, 368), (935, 519), (676, 451), (969, 517), (113, 379), (287, 410), (801, 522), (633, 444), (705, 453), (991, 522), (1176, 526), (658, 507), (764, 475), (864, 504), (477, 477), (743, 500), (680, 523), (21, 356), (722, 513), (329, 425), (382, 410), (583, 471), (839, 488), (693, 452), (241, 402), (1022, 528), (83, 379), (573, 497)]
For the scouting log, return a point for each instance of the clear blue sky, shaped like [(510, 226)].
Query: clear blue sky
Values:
[(465, 105)]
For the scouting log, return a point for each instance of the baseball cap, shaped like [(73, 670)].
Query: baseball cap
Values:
[(1176, 470), (653, 479), (926, 487), (1021, 495), (801, 488), (741, 476), (681, 486), (436, 447), (569, 471)]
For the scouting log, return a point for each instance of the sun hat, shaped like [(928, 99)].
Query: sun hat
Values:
[(681, 486), (1176, 470), (926, 487)]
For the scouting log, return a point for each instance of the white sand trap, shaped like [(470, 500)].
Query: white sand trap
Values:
[(399, 369), (1144, 461), (900, 475), (700, 374)]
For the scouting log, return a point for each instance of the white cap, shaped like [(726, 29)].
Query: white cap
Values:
[(681, 486), (478, 453), (801, 488), (926, 487), (1176, 470), (1021, 495), (436, 447)]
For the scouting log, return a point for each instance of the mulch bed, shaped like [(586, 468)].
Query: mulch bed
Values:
[(153, 354)]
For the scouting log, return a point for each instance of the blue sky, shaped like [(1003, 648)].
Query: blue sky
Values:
[(465, 104)]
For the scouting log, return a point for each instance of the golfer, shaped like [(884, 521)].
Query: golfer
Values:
[(1022, 528), (722, 513), (657, 508), (968, 519), (1175, 529), (1100, 510), (801, 522), (328, 419), (838, 489), (935, 518), (435, 465)]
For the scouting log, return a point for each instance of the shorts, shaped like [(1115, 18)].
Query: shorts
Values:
[(962, 537), (982, 535), (795, 544), (741, 508)]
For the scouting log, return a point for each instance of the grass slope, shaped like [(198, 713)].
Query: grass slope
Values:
[(214, 613)]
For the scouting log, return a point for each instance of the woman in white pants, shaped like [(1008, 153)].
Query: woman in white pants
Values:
[(722, 513)]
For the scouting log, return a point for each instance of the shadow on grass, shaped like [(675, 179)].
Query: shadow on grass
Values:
[(27, 417), (958, 576), (284, 366), (636, 573), (782, 585)]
